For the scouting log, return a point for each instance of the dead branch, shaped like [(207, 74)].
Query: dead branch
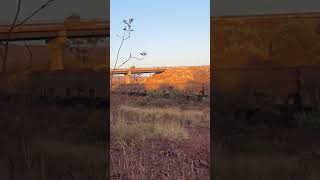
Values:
[(14, 25), (127, 29), (29, 66)]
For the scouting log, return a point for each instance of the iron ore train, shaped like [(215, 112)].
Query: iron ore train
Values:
[(262, 62), (258, 87), (185, 89), (86, 87)]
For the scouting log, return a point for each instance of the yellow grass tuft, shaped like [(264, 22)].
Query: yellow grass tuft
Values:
[(130, 133), (171, 131), (190, 118), (136, 124)]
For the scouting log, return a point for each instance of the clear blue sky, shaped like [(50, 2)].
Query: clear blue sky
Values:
[(172, 32)]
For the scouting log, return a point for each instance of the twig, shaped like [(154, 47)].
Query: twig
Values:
[(30, 55), (34, 13), (14, 25), (6, 48), (114, 167), (125, 36), (128, 59)]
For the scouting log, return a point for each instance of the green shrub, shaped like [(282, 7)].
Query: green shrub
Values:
[(155, 94), (308, 119), (143, 101)]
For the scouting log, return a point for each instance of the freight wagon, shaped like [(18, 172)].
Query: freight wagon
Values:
[(187, 89), (63, 87), (255, 88)]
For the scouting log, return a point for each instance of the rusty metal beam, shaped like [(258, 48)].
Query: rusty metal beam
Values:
[(139, 70), (45, 31)]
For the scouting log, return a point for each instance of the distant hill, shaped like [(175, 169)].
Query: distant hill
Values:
[(191, 77), (181, 75)]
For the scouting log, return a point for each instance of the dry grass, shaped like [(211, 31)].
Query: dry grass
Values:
[(140, 131), (57, 144), (144, 142), (256, 168), (41, 159), (190, 118), (133, 133), (262, 166), (171, 131), (136, 165), (137, 124)]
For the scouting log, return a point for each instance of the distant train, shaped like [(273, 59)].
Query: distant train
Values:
[(59, 87), (257, 87), (185, 89)]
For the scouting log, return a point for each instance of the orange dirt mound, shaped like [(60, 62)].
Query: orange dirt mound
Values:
[(180, 77)]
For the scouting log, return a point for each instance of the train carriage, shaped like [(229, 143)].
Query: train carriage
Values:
[(310, 86), (186, 89), (257, 87), (71, 87), (4, 86)]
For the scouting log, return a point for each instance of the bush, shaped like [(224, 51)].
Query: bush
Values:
[(156, 94), (131, 133), (164, 98), (308, 119), (143, 101)]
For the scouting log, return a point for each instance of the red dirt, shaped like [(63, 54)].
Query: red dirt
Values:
[(164, 159), (160, 158), (181, 78), (181, 75)]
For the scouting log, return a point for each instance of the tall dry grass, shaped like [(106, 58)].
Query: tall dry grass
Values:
[(42, 160), (134, 128), (136, 124), (263, 165), (189, 118), (137, 166)]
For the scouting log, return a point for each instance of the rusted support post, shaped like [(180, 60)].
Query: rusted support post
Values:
[(57, 47), (128, 77)]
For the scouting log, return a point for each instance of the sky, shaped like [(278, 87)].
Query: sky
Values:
[(100, 8), (172, 32), (87, 9), (56, 12)]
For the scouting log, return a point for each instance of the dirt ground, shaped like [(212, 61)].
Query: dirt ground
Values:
[(159, 157)]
